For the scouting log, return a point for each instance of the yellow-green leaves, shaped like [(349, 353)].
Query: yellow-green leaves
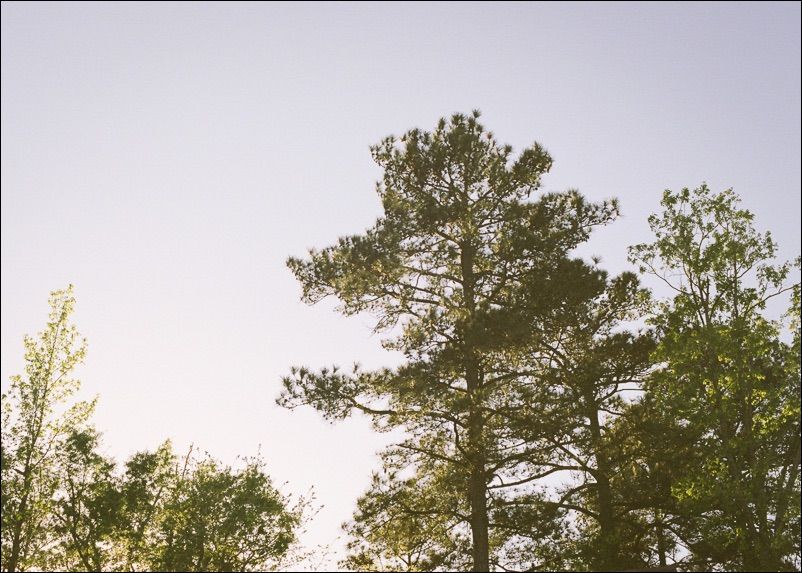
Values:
[(34, 431)]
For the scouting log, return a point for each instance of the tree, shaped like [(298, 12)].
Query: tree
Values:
[(648, 453), (410, 524), (145, 486), (34, 431), (458, 232), (728, 378), (87, 505), (219, 519), (65, 507), (592, 363), (574, 362)]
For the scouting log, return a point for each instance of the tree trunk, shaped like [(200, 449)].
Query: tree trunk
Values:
[(15, 547), (477, 494), (16, 541), (608, 559), (478, 499)]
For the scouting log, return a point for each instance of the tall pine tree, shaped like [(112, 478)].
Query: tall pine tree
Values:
[(460, 230)]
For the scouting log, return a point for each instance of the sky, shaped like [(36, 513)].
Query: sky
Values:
[(166, 159)]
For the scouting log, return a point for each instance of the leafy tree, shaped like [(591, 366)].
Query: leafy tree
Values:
[(145, 486), (458, 233), (649, 452), (34, 431), (65, 507), (728, 379), (219, 519), (87, 505), (573, 362), (592, 363)]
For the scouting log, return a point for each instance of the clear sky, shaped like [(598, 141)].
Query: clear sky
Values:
[(167, 158)]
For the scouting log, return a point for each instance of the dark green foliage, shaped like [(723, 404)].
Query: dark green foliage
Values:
[(452, 263), (218, 519), (678, 444), (410, 524), (87, 507)]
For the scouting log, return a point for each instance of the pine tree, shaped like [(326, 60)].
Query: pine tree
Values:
[(460, 230)]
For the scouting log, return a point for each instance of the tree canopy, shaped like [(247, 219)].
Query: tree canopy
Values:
[(544, 428), (67, 507)]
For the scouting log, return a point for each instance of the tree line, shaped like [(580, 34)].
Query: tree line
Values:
[(555, 416), (543, 430), (67, 507)]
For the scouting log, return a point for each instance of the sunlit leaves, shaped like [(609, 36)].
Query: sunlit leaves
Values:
[(34, 430), (729, 378), (66, 507)]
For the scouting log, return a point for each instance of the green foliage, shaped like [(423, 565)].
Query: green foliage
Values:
[(412, 524), (218, 519), (145, 487), (34, 431), (706, 251), (468, 266), (65, 507), (729, 380), (86, 512), (573, 368)]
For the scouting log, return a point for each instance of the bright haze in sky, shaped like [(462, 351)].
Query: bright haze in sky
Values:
[(167, 158)]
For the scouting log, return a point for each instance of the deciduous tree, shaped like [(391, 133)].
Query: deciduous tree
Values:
[(35, 428), (727, 377)]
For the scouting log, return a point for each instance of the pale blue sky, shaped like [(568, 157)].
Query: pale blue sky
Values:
[(167, 158)]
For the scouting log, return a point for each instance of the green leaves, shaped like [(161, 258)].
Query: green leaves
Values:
[(214, 518), (33, 434), (707, 251), (411, 524), (727, 377), (66, 508), (87, 505)]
